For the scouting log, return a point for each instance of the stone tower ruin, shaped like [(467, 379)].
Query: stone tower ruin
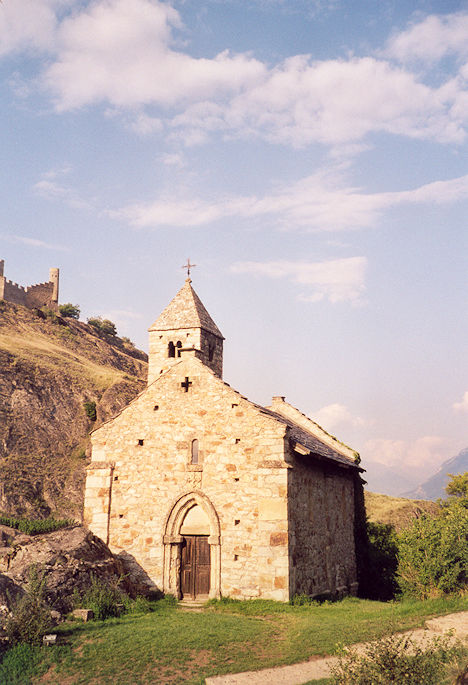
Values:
[(33, 296)]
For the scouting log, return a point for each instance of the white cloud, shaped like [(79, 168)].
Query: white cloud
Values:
[(334, 415), (415, 458), (123, 53), (321, 202), (51, 189), (34, 242), (174, 159), (431, 39), (28, 24), (463, 405), (337, 280), (119, 51), (145, 125)]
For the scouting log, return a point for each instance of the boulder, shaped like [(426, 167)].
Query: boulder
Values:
[(69, 558), (10, 592)]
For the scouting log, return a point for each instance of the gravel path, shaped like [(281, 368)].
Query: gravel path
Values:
[(318, 668)]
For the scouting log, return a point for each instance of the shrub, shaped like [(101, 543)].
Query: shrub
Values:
[(32, 527), (104, 598), (30, 618), (103, 325), (139, 605), (303, 600), (433, 553), (69, 311), (49, 314), (398, 659), (90, 409)]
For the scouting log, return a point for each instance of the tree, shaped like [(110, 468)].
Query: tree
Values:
[(103, 325), (458, 486), (69, 310), (433, 552)]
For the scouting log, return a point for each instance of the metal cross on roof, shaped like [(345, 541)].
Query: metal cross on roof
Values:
[(188, 266)]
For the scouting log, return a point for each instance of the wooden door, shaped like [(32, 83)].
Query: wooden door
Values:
[(195, 566)]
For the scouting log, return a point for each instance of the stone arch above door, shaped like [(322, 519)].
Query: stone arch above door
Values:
[(172, 540)]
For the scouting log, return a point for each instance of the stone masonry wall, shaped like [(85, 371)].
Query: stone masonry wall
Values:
[(40, 295), (12, 292), (241, 482), (321, 515), (159, 361)]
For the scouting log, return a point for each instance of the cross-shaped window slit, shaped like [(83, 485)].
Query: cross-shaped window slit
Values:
[(186, 384)]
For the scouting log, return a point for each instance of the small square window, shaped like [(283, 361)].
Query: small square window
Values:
[(156, 407), (237, 441), (140, 442), (236, 557), (236, 522)]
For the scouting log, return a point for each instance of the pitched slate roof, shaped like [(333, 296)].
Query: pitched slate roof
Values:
[(315, 447), (186, 310)]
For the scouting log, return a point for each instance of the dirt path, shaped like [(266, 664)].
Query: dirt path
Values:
[(318, 668)]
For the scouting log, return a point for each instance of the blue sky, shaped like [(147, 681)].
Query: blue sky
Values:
[(310, 156)]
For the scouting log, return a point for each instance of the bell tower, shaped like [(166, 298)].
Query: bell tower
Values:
[(184, 326)]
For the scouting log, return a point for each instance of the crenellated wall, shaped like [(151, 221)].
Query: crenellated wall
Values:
[(39, 295)]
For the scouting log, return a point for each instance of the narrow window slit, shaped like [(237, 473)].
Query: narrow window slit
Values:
[(194, 452)]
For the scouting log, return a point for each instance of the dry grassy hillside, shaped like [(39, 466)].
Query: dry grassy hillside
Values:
[(52, 371), (397, 511)]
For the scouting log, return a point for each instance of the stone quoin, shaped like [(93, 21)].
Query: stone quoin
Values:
[(213, 495)]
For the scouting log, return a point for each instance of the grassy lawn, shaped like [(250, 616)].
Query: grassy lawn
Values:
[(170, 645)]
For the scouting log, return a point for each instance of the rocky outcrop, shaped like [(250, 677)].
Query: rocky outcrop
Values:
[(54, 373), (68, 558)]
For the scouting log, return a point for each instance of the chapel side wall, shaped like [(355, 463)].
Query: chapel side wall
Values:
[(321, 516), (242, 473)]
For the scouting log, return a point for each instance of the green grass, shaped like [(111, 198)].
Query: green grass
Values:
[(171, 646)]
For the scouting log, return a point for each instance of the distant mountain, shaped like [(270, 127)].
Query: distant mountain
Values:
[(434, 487), (384, 479)]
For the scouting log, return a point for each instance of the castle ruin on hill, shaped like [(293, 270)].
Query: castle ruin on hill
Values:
[(38, 295)]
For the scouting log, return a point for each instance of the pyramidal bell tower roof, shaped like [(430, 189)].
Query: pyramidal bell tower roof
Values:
[(186, 310)]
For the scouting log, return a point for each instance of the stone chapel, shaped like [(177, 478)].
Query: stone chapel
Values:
[(213, 495)]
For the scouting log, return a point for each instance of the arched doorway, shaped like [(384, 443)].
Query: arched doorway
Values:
[(192, 552), (195, 557)]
